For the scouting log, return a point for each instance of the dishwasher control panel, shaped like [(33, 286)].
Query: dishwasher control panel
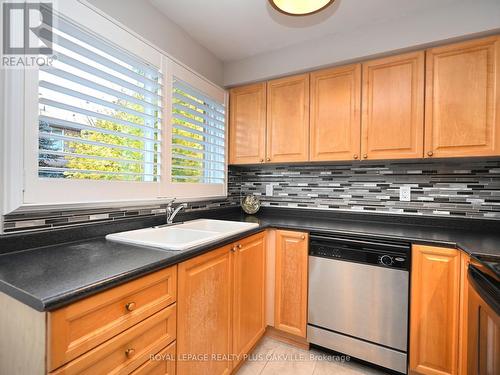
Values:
[(382, 254)]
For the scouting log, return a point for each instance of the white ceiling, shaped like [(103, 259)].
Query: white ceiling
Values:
[(238, 29)]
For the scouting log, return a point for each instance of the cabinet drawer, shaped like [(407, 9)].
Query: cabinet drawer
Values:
[(163, 364), (81, 326), (127, 351)]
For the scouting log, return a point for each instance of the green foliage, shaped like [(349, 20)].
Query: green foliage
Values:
[(134, 160), (193, 175), (132, 166)]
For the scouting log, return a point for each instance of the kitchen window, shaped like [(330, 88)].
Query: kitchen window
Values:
[(114, 120)]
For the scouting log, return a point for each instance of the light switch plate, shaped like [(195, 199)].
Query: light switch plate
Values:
[(269, 190), (405, 193)]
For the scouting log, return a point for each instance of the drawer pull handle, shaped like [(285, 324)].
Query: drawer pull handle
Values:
[(130, 306), (130, 352)]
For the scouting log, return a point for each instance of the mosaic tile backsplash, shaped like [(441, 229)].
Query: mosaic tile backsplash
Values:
[(36, 221), (452, 188)]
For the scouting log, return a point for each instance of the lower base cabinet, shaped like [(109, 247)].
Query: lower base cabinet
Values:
[(291, 280), (437, 315), (249, 293), (162, 363), (220, 307)]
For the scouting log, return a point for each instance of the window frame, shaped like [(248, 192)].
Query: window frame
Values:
[(20, 185)]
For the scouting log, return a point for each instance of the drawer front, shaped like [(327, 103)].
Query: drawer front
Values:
[(162, 364), (81, 326), (129, 350)]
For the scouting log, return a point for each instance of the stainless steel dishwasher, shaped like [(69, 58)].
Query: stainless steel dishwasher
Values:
[(358, 298)]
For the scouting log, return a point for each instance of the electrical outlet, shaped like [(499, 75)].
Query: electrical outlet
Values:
[(269, 190), (405, 193)]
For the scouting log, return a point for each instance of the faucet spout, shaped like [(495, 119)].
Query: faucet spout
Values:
[(171, 213)]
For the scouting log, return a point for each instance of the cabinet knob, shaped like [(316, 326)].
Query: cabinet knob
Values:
[(268, 159), (233, 249), (355, 156), (130, 352), (430, 153), (262, 160), (130, 306), (365, 156), (303, 237), (239, 246)]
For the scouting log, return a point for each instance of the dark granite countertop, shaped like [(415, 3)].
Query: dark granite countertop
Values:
[(49, 277)]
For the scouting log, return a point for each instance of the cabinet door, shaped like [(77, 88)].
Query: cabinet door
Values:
[(204, 314), (335, 113), (249, 294), (463, 99), (435, 310), (288, 119), (483, 357), (393, 107), (247, 125), (290, 310)]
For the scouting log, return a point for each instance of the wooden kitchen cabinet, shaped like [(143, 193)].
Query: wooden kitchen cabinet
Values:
[(290, 310), (335, 114), (249, 320), (288, 119), (165, 366), (81, 326), (129, 350), (204, 327), (463, 99), (114, 331), (435, 310), (247, 124), (393, 107)]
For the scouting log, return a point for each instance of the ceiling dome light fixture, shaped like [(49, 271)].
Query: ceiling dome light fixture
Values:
[(300, 7)]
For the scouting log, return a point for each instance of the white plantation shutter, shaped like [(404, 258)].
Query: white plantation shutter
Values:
[(198, 136), (99, 110), (115, 120)]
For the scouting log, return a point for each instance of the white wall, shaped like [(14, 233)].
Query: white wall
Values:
[(415, 30), (144, 19)]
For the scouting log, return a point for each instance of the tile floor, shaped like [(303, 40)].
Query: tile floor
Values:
[(272, 357)]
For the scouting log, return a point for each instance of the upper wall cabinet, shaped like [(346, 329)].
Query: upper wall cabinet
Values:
[(247, 133), (393, 107), (335, 114), (288, 119), (461, 83), (463, 99)]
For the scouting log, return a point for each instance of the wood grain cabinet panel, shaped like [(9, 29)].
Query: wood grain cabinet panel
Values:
[(81, 326), (163, 363), (335, 114), (393, 107), (204, 314), (247, 124), (435, 310), (249, 320), (125, 352), (288, 119), (463, 99), (290, 311)]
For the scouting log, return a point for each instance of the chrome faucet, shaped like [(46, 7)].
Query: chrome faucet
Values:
[(172, 212)]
